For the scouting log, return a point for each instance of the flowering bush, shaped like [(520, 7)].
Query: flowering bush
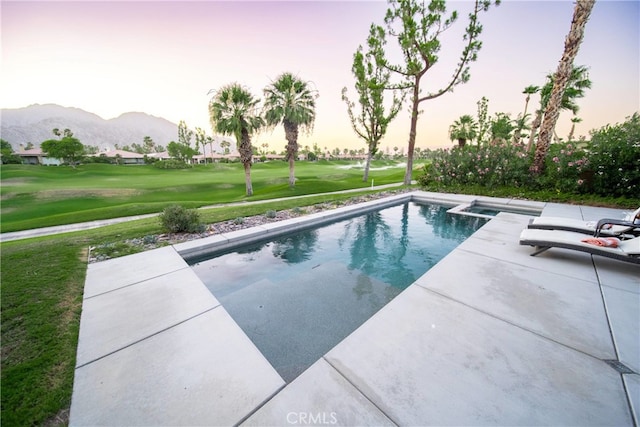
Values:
[(565, 168), (614, 159), (608, 165), (492, 165)]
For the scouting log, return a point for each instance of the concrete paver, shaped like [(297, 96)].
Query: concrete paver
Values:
[(562, 211), (624, 315), (119, 272), (116, 319), (201, 372), (424, 359), (566, 310), (489, 336), (321, 396), (632, 382)]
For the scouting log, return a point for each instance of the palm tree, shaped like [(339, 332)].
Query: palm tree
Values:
[(575, 89), (501, 127), (233, 111), (574, 120), (290, 101), (563, 75), (521, 125), (463, 129), (521, 120), (529, 90)]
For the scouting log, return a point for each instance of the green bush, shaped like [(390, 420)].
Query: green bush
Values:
[(566, 166), (608, 165), (492, 165), (172, 164), (96, 159), (614, 159), (270, 214), (176, 219)]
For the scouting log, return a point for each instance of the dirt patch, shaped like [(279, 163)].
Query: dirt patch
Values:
[(278, 181), (60, 419), (95, 192), (333, 177), (16, 181), (224, 186)]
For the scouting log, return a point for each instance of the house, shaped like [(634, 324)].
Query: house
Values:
[(35, 156), (274, 157), (201, 158), (123, 157), (163, 155)]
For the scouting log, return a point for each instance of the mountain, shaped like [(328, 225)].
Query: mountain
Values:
[(35, 123)]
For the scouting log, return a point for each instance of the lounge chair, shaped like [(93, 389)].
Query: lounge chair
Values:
[(604, 227), (627, 250)]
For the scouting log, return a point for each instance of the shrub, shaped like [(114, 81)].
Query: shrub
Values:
[(492, 165), (238, 221), (614, 159), (172, 164), (150, 160), (565, 168), (176, 219), (270, 214), (97, 159)]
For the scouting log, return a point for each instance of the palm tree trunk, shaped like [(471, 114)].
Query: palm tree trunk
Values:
[(526, 104), (246, 156), (291, 133), (573, 129), (581, 14), (247, 178), (518, 132), (534, 127)]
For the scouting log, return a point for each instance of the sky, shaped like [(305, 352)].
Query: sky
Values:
[(164, 57)]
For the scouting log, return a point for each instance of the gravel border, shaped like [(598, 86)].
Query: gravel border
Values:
[(131, 246)]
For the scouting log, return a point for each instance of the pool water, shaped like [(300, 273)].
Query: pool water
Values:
[(299, 295)]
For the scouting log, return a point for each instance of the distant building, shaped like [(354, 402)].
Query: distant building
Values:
[(163, 155), (35, 156), (123, 157)]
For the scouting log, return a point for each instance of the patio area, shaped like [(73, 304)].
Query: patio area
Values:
[(489, 336)]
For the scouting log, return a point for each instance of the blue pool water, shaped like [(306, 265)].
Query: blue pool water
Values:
[(299, 295)]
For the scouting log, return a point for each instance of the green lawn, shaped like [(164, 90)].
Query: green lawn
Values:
[(37, 196)]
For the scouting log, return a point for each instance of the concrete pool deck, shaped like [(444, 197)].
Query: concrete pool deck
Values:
[(488, 336)]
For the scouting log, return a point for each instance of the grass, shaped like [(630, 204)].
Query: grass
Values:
[(42, 278), (97, 191), (42, 284)]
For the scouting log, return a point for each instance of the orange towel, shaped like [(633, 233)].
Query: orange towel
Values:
[(609, 242)]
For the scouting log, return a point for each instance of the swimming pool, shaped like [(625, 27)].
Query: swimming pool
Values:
[(298, 295)]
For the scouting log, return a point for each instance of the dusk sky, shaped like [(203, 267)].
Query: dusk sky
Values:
[(162, 58)]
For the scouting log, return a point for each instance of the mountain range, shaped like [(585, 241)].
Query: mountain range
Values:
[(35, 123)]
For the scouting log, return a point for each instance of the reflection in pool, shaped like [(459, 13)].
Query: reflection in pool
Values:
[(299, 295)]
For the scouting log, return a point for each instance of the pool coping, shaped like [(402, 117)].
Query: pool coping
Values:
[(125, 381), (220, 242)]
